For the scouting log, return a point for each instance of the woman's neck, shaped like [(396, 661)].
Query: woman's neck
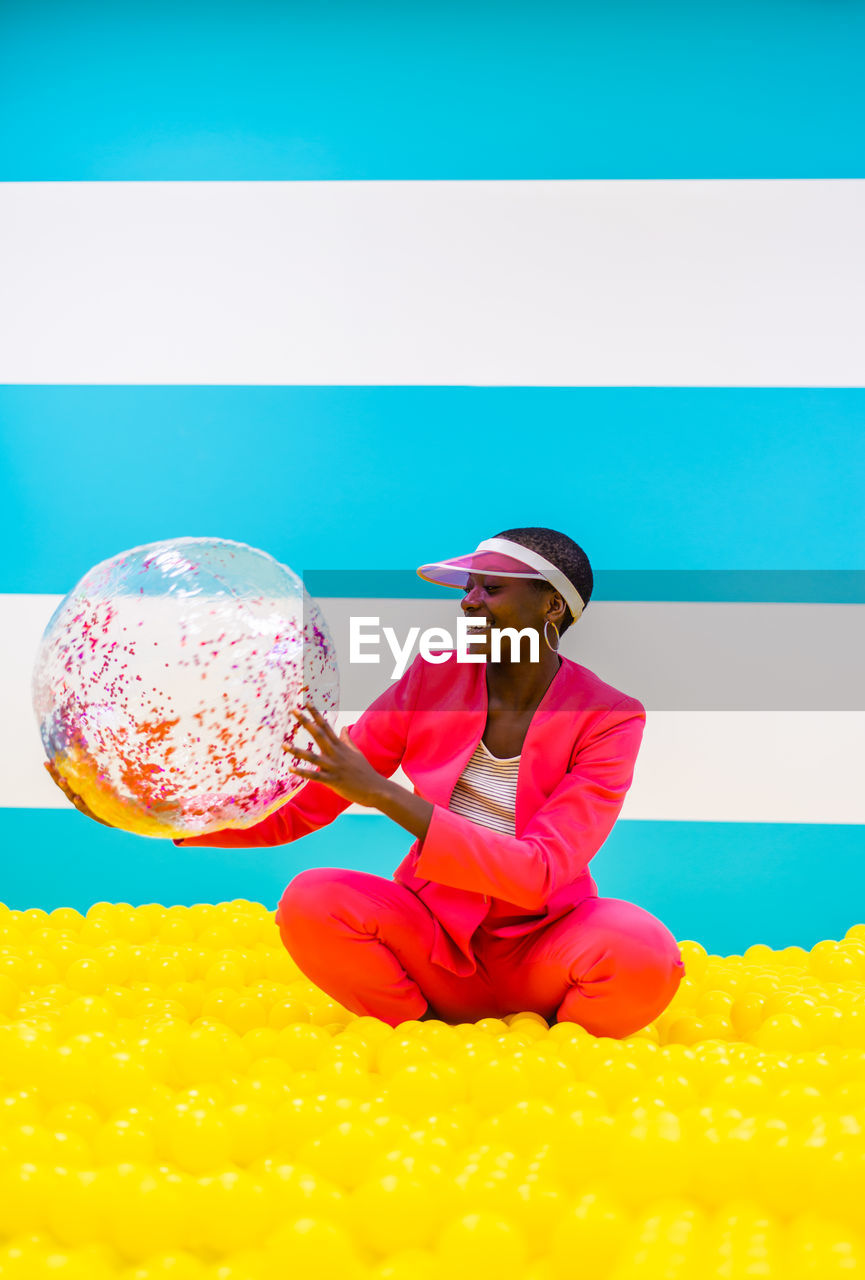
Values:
[(519, 686)]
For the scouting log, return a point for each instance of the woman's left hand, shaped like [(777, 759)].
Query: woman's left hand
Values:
[(341, 765)]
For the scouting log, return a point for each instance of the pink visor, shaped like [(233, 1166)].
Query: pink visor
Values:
[(453, 573), (506, 559)]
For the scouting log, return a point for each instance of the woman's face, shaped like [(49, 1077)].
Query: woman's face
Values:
[(505, 602)]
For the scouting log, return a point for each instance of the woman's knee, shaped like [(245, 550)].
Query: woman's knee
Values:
[(307, 897), (635, 971), (309, 885), (636, 934), (650, 961), (630, 1001)]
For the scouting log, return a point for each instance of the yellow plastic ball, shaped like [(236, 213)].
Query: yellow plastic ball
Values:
[(196, 1139), (397, 1211), (314, 1247), (342, 1153), (65, 918), (409, 1264), (695, 958), (594, 1230), (782, 1031), (495, 1085), (425, 1088), (481, 1244), (9, 994), (177, 1265)]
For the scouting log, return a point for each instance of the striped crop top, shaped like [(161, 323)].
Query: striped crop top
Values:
[(486, 792)]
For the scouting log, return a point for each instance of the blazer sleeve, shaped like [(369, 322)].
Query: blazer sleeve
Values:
[(559, 840), (381, 733)]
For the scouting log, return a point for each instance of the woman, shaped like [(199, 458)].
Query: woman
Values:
[(520, 769)]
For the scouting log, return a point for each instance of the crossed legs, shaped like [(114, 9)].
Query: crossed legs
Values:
[(608, 964)]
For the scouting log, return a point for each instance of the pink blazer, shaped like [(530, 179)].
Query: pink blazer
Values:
[(576, 766)]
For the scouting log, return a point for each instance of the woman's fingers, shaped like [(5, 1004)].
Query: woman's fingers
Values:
[(306, 773), (317, 728), (319, 721), (318, 738), (301, 755), (309, 725)]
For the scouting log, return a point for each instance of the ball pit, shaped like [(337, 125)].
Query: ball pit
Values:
[(177, 1100)]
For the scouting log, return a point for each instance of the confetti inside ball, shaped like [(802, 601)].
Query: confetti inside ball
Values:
[(165, 680)]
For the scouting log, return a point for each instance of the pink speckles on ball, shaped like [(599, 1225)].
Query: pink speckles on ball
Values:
[(165, 680)]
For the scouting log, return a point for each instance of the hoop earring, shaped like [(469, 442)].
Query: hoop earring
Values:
[(548, 623)]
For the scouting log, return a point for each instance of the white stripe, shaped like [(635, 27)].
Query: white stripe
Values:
[(711, 766), (750, 766), (530, 283)]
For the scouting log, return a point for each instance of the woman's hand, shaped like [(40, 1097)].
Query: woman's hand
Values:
[(341, 765), (70, 794)]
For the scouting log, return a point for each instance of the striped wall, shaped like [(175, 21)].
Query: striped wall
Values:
[(361, 287)]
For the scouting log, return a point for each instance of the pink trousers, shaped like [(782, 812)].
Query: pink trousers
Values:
[(365, 941)]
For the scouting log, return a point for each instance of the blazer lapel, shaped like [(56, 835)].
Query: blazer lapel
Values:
[(450, 738), (545, 754)]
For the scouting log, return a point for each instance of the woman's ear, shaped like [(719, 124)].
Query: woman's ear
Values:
[(556, 609)]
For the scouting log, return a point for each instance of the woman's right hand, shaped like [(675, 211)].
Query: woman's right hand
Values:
[(70, 794)]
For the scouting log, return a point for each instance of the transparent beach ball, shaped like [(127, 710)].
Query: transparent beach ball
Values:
[(165, 680)]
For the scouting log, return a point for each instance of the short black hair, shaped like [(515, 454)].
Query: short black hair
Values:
[(565, 554)]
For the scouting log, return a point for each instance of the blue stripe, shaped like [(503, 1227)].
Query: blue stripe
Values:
[(358, 478), (724, 884), (762, 586), (511, 89)]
